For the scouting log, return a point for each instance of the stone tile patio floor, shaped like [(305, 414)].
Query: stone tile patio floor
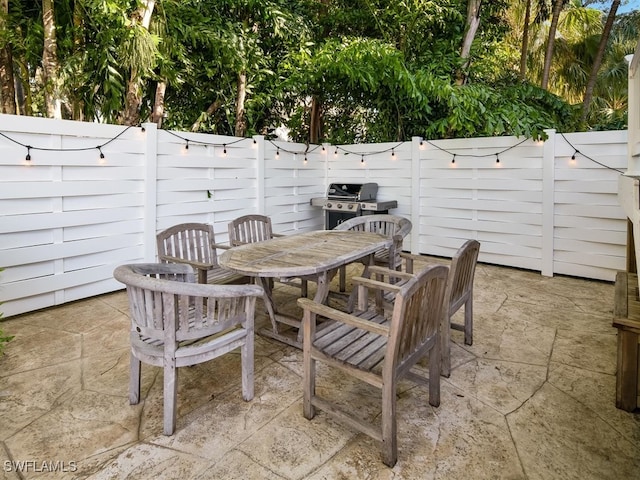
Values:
[(533, 398)]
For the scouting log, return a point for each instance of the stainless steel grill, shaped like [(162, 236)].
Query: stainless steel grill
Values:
[(348, 200)]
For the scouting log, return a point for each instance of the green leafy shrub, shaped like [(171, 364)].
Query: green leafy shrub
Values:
[(4, 339)]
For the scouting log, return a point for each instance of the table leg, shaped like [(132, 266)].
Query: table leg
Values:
[(268, 302), (322, 293)]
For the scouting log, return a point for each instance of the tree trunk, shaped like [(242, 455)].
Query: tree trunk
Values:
[(213, 108), (597, 61), (50, 61), (23, 93), (7, 85), (557, 8), (133, 99), (315, 121), (525, 42), (241, 95), (158, 104), (77, 105), (473, 22)]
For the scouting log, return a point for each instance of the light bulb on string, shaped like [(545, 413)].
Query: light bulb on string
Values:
[(335, 153), (573, 157), (28, 157), (186, 146), (497, 158), (453, 160), (278, 153), (224, 150), (362, 159), (393, 154)]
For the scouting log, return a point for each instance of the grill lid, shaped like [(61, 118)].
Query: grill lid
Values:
[(352, 191)]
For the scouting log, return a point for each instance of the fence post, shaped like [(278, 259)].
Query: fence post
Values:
[(415, 194), (260, 173), (548, 202), (150, 191)]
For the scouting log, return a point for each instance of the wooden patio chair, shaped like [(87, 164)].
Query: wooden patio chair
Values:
[(390, 225), (193, 244), (255, 228), (377, 350), (459, 292), (176, 322)]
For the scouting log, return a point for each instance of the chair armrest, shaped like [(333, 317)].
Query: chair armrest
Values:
[(409, 259), (342, 317), (377, 270), (376, 284), (220, 246), (275, 235), (193, 263)]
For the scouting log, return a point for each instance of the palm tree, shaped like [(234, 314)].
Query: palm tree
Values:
[(597, 61), (7, 85), (557, 8)]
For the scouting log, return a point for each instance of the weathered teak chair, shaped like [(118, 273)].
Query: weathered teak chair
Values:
[(176, 322), (459, 292), (377, 350), (250, 229), (390, 225), (193, 244), (255, 228)]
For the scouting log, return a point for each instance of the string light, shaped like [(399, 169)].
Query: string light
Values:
[(362, 159), (497, 158), (335, 153), (186, 147), (224, 150), (453, 160), (393, 154), (278, 153), (573, 157), (78, 149)]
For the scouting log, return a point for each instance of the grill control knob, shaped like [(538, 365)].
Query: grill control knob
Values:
[(329, 205), (350, 206), (339, 205)]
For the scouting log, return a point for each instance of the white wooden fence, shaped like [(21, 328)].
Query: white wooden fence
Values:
[(68, 216)]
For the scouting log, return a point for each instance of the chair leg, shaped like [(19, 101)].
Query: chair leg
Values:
[(246, 354), (468, 321), (134, 380), (304, 289), (389, 425), (343, 279), (309, 367), (434, 375), (170, 396), (445, 347)]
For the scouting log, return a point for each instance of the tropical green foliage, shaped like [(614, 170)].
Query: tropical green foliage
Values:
[(377, 70)]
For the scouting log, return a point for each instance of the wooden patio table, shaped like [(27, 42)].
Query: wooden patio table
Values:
[(315, 256)]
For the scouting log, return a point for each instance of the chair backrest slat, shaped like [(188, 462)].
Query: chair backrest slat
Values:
[(187, 309), (190, 241), (250, 229), (418, 310)]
